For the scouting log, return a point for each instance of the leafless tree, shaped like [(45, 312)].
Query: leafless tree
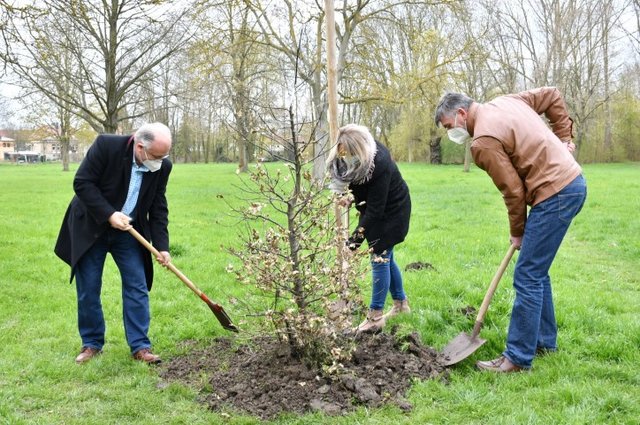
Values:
[(111, 64), (295, 30), (115, 47), (568, 44)]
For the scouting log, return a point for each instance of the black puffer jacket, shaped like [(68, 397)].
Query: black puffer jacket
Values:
[(384, 203)]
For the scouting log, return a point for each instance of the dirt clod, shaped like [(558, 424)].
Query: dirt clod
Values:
[(468, 311), (264, 380), (419, 265)]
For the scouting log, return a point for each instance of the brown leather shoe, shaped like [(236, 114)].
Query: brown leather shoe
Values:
[(86, 354), (500, 365), (145, 355)]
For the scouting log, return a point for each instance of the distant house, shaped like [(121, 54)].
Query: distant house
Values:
[(23, 157), (23, 152), (6, 145), (50, 147), (47, 149), (37, 145)]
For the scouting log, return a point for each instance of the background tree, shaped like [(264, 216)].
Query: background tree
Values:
[(567, 44), (285, 30), (119, 62), (5, 113), (400, 68), (116, 47), (626, 113)]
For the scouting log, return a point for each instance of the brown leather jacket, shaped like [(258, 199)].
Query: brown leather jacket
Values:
[(527, 161)]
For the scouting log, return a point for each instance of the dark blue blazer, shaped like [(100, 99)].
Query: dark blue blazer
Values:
[(101, 184)]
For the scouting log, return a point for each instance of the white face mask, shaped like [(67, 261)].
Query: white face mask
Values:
[(152, 164), (458, 135)]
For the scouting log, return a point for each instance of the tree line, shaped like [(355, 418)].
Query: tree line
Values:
[(225, 74)]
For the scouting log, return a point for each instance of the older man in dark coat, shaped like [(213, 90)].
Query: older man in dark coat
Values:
[(120, 184)]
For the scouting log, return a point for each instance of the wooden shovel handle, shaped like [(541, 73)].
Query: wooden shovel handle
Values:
[(170, 266), (492, 289), (217, 309)]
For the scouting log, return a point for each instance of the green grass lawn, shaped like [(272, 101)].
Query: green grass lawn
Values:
[(459, 225)]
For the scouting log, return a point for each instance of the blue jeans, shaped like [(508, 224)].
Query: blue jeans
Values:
[(533, 322), (127, 255), (386, 278)]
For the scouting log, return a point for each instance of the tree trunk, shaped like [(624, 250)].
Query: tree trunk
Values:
[(467, 156), (65, 145), (435, 148), (608, 145)]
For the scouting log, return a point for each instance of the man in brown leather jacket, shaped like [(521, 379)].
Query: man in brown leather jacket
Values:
[(531, 164)]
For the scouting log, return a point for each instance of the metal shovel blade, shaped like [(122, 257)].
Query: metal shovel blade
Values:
[(464, 344), (460, 348), (221, 315)]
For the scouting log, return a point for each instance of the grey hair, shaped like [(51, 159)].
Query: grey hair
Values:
[(451, 102), (146, 134)]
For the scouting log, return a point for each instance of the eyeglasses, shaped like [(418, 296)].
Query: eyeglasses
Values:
[(153, 157)]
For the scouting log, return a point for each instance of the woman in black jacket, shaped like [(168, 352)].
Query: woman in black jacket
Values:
[(363, 166)]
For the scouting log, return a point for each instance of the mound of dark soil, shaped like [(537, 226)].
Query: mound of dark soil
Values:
[(265, 381)]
